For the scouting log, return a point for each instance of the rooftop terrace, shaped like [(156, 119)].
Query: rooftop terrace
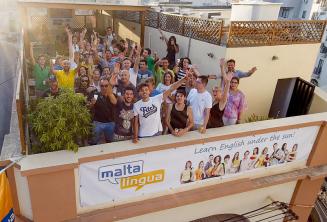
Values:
[(250, 43)]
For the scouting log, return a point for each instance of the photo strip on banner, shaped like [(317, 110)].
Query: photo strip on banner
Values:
[(115, 180)]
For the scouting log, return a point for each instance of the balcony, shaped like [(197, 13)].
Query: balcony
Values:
[(81, 185)]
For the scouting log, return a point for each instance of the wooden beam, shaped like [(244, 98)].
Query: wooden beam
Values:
[(81, 5), (304, 197), (142, 22)]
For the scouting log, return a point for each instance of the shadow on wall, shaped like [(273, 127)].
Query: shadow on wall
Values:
[(128, 30)]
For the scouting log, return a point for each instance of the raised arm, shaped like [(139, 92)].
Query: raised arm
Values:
[(223, 69), (82, 35), (137, 59), (32, 54), (174, 86), (251, 71), (70, 43), (222, 104), (163, 36), (110, 93)]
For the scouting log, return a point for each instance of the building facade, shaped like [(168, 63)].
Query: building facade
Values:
[(304, 10)]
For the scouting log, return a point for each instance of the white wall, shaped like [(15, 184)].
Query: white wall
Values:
[(255, 12), (23, 194), (259, 88), (198, 50), (237, 204)]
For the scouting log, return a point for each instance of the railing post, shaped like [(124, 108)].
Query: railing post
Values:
[(229, 34), (221, 31), (183, 26), (142, 22), (272, 39)]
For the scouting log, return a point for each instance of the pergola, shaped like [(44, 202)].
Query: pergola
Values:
[(24, 4)]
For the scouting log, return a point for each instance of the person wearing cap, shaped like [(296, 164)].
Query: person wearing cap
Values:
[(54, 89)]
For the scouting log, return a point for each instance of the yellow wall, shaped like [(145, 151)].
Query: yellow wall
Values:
[(293, 61), (128, 30), (319, 102)]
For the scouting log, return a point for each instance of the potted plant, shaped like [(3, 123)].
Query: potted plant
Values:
[(60, 123), (256, 118)]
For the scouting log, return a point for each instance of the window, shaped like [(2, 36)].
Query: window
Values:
[(304, 13), (284, 12)]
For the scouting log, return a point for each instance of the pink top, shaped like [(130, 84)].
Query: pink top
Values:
[(235, 104)]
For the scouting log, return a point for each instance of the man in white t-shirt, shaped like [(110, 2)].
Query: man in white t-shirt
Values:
[(147, 111), (201, 102)]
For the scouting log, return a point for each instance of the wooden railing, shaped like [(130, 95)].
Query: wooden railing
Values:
[(201, 29), (263, 33), (21, 97), (240, 33)]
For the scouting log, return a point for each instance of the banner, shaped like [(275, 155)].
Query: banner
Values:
[(119, 179), (6, 204)]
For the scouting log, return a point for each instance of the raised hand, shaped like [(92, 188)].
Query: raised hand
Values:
[(67, 29), (117, 68), (222, 62), (138, 50), (133, 46), (126, 45), (253, 69)]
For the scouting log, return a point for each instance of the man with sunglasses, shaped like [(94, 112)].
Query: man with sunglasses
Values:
[(102, 106)]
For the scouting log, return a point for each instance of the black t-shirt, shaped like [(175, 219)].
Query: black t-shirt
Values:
[(124, 119), (103, 110)]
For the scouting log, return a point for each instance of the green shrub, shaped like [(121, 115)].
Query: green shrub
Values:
[(60, 123)]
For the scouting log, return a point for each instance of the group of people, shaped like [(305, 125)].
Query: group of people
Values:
[(216, 166), (132, 93)]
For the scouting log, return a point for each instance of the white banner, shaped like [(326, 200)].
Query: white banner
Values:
[(119, 179)]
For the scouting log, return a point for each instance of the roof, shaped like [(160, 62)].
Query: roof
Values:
[(66, 4)]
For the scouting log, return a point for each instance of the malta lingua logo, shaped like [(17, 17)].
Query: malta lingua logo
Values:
[(114, 172), (130, 175), (141, 180)]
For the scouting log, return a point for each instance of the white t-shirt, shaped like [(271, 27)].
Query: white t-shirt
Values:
[(132, 76), (199, 102), (149, 115)]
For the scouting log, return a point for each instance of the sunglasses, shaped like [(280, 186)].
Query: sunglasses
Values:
[(104, 86)]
